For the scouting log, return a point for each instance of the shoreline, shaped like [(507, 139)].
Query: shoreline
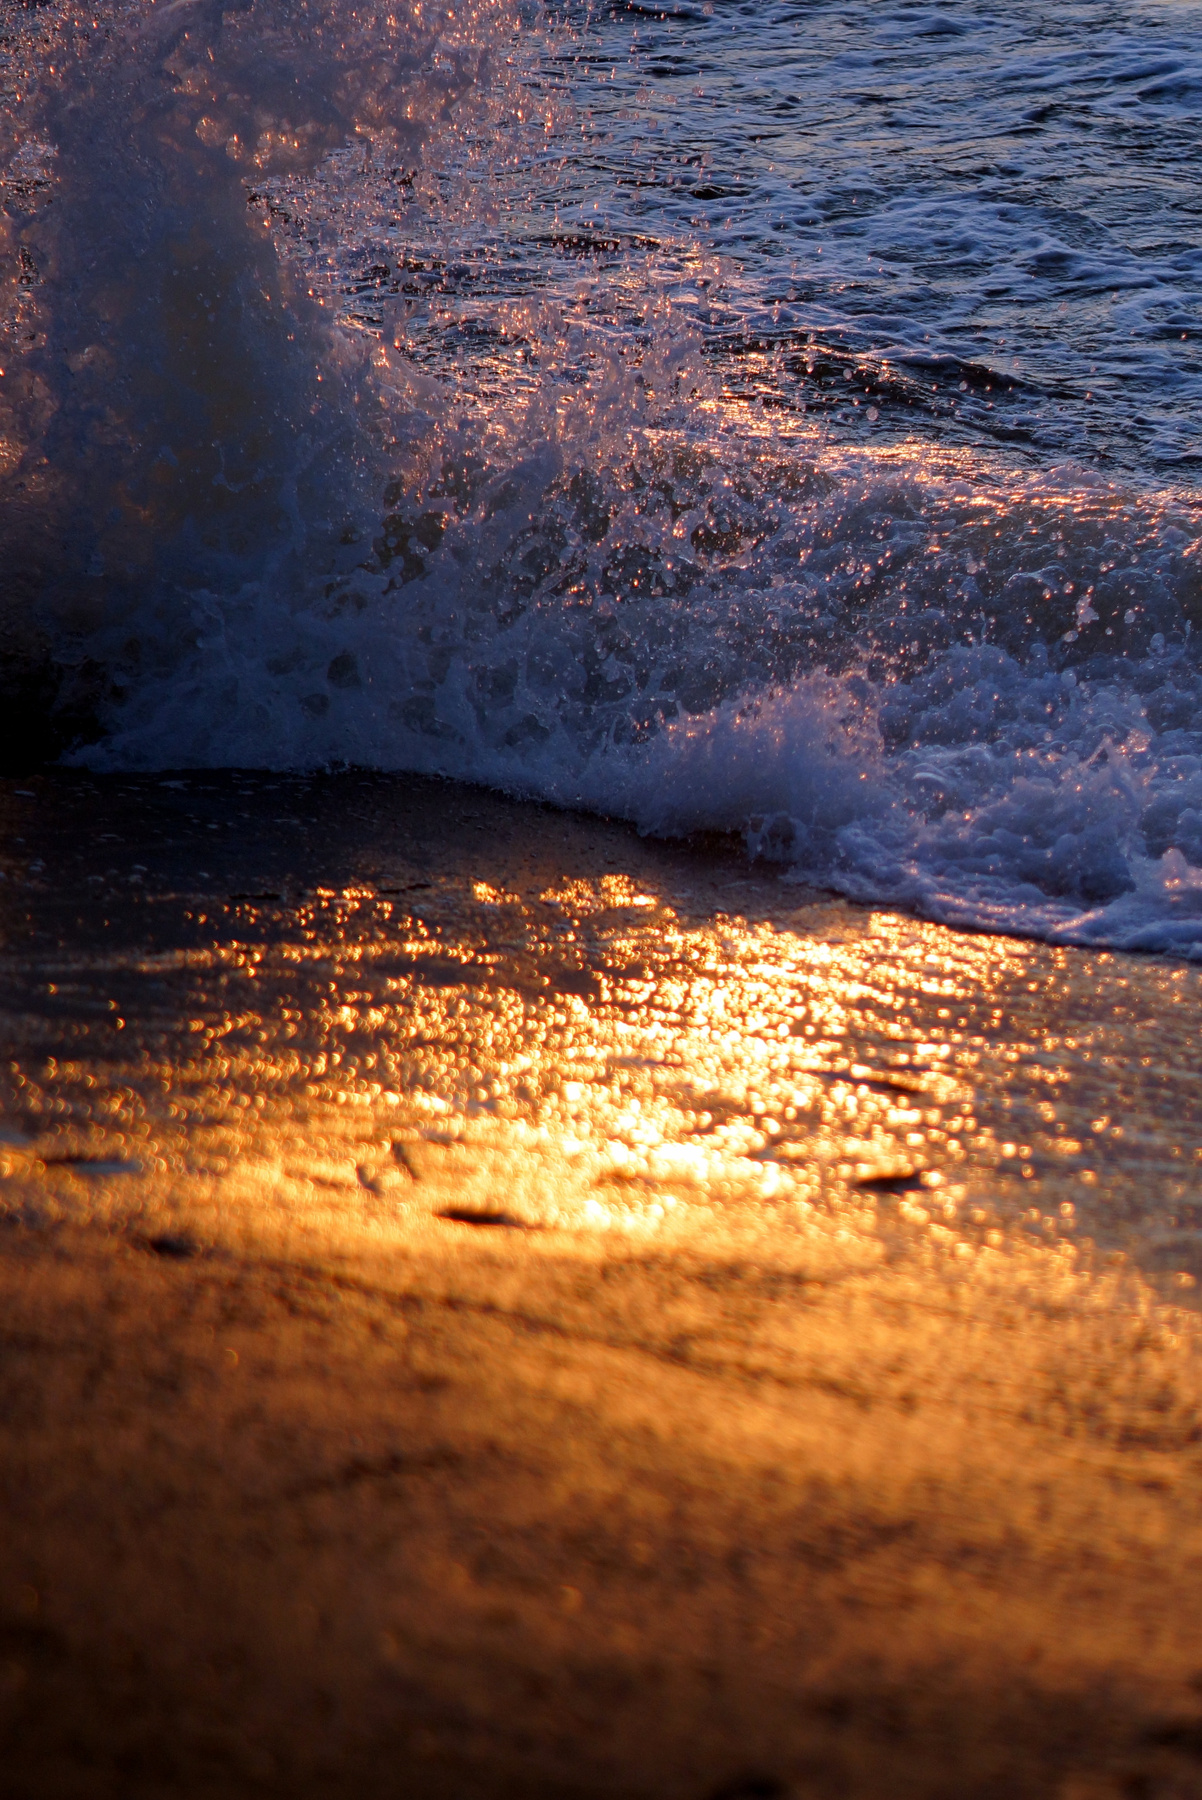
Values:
[(494, 1305)]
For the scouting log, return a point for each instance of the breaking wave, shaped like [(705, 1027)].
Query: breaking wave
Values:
[(296, 471)]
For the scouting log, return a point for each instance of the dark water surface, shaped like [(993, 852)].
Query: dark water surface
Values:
[(985, 217)]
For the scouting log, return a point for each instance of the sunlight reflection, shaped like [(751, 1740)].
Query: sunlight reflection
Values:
[(830, 1081)]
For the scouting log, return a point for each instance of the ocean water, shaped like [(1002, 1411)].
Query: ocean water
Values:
[(755, 418)]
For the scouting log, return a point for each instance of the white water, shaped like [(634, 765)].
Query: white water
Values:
[(360, 410)]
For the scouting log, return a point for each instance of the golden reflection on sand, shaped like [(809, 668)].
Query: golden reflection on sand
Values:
[(606, 1311), (854, 1079)]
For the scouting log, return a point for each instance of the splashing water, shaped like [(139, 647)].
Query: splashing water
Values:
[(181, 425), (334, 432)]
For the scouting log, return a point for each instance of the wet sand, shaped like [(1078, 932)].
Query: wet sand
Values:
[(495, 1307)]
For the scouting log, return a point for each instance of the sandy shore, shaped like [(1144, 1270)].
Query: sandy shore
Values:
[(493, 1307)]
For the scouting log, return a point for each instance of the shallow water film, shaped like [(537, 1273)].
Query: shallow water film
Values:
[(495, 1306)]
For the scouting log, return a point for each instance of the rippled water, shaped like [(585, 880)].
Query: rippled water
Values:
[(774, 420), (991, 213)]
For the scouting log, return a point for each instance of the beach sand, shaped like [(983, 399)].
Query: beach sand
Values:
[(493, 1306)]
